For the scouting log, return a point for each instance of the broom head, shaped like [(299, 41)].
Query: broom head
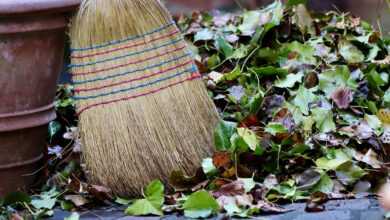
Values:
[(143, 109)]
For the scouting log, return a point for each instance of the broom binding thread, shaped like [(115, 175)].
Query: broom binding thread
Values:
[(165, 62)]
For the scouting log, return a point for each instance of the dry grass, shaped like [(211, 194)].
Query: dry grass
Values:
[(129, 143)]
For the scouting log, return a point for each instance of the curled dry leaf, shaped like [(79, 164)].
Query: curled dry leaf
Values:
[(343, 97), (77, 200)]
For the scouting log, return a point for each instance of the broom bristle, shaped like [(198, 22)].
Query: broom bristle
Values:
[(143, 110)]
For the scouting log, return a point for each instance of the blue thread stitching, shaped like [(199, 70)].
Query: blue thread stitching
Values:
[(191, 70), (127, 55), (130, 72), (121, 41)]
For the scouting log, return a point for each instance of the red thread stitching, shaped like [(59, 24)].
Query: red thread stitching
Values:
[(192, 77), (135, 79), (125, 47), (126, 64)]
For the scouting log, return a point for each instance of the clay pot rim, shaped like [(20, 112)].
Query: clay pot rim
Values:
[(23, 7)]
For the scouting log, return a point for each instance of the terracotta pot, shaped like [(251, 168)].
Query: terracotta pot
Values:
[(32, 39)]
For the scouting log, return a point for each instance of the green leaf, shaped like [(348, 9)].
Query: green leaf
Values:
[(241, 52), (339, 157), (44, 203), (54, 128), (200, 205), (234, 74), (350, 52), (305, 52), (208, 166), (73, 216), (152, 204), (155, 193), (249, 183), (143, 207), (249, 137), (303, 98), (16, 197), (348, 173), (254, 103), (325, 185), (374, 122), (324, 120), (222, 134), (336, 78), (122, 201), (267, 18), (204, 35), (374, 79), (213, 61), (289, 81), (224, 46), (386, 98), (269, 71), (291, 3), (275, 128), (304, 20)]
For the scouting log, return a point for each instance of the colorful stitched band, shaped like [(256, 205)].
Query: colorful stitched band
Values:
[(134, 67), (125, 47), (127, 55), (75, 82), (192, 70), (127, 64), (192, 77)]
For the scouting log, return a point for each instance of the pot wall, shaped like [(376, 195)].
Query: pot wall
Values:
[(31, 55)]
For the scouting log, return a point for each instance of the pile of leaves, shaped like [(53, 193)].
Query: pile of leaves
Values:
[(303, 100)]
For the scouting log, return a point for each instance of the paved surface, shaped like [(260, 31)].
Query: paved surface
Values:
[(357, 209)]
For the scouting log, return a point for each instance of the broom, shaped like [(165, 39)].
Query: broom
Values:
[(143, 109)]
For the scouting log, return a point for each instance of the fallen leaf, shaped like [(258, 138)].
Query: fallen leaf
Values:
[(343, 97)]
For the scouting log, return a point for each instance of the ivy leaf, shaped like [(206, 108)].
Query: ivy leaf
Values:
[(54, 128), (374, 122), (249, 183), (275, 128), (224, 46), (200, 205), (338, 157), (142, 207), (234, 74), (339, 77), (222, 134), (350, 52), (305, 52), (324, 120), (241, 52), (254, 103), (249, 137), (208, 166), (155, 193), (325, 185), (151, 204), (303, 98), (289, 81), (304, 20), (251, 20), (204, 35), (348, 173)]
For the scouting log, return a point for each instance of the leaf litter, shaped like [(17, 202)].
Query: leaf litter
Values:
[(304, 101)]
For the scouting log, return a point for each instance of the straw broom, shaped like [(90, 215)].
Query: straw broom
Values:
[(143, 109)]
